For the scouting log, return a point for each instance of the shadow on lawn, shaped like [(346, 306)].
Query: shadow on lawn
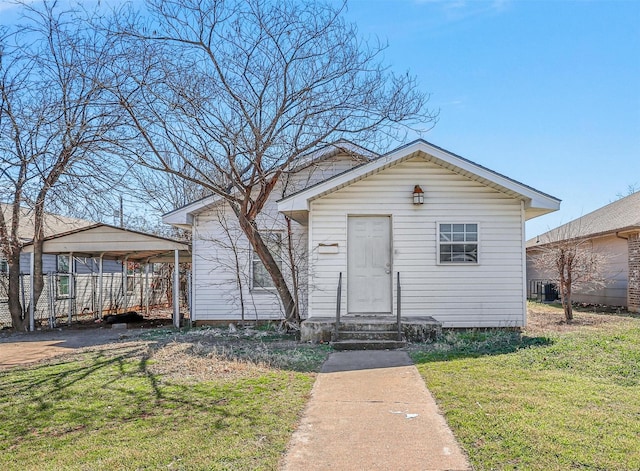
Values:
[(472, 344), (116, 386)]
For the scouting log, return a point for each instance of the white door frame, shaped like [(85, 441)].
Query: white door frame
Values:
[(371, 295)]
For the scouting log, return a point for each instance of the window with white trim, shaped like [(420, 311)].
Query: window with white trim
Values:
[(4, 281), (62, 267), (260, 275), (458, 243)]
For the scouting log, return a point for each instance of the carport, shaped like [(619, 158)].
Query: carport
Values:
[(106, 242)]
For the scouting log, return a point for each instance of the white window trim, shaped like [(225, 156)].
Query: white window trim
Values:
[(66, 274), (458, 264), (255, 258)]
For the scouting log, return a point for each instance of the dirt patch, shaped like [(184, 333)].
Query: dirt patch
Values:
[(22, 348), (186, 356)]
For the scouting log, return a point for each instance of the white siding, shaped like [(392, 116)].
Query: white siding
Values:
[(217, 293), (489, 294)]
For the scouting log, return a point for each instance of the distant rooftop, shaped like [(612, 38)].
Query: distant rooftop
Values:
[(621, 215), (53, 223)]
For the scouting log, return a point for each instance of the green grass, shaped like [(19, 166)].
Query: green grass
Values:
[(548, 401), (109, 411)]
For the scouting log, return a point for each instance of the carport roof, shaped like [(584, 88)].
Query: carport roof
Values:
[(114, 243)]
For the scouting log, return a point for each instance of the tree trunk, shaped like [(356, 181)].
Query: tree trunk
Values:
[(292, 263), (565, 292), (292, 314), (38, 243), (19, 321)]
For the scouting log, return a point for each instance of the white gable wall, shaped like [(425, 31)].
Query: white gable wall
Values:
[(217, 293), (489, 294)]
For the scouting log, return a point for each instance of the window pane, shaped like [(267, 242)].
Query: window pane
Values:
[(458, 228), (63, 285), (63, 263), (261, 278)]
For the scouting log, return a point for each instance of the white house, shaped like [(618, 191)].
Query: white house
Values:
[(452, 229)]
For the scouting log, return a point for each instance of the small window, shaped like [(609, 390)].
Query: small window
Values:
[(261, 278), (4, 266), (62, 263), (458, 243)]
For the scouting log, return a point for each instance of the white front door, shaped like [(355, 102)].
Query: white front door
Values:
[(369, 265)]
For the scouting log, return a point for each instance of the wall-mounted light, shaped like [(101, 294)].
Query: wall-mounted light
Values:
[(418, 195)]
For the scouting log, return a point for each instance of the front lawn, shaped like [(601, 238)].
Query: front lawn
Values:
[(185, 402), (558, 397)]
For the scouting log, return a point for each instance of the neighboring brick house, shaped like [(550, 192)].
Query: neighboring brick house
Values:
[(614, 228)]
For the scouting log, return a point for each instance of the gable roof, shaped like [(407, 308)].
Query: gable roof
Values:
[(114, 243), (53, 223), (622, 215), (183, 216), (537, 203)]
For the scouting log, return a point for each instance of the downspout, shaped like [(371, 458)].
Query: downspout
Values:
[(524, 263)]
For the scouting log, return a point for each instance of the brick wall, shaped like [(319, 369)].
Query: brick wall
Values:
[(634, 273)]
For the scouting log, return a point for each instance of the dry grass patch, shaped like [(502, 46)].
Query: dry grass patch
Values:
[(194, 362), (547, 318)]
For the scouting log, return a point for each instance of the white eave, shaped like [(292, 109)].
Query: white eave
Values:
[(536, 202), (183, 217), (114, 243)]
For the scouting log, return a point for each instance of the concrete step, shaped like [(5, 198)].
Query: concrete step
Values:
[(368, 344), (368, 334), (360, 324)]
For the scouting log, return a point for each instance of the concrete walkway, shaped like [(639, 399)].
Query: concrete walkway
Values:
[(370, 410)]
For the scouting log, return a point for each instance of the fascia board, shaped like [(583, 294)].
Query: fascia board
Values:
[(532, 197)]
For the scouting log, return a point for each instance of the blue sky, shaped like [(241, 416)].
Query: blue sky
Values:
[(545, 92)]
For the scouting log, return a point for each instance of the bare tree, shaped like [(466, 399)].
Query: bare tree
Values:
[(227, 93), (631, 189), (570, 260), (55, 127)]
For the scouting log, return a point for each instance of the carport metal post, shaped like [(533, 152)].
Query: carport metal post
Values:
[(71, 287), (176, 289), (100, 295), (147, 293), (189, 294), (125, 285), (32, 292)]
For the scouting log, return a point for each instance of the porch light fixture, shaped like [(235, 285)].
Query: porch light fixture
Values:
[(418, 195)]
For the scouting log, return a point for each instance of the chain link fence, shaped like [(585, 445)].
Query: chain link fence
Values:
[(67, 298)]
